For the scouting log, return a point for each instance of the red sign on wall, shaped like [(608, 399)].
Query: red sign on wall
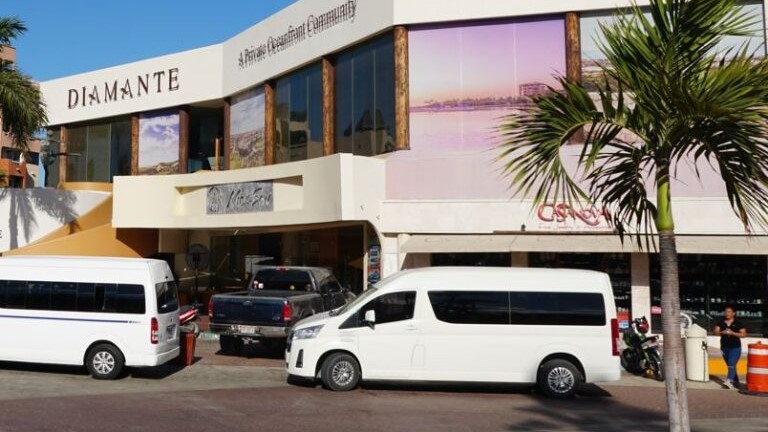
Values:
[(563, 213)]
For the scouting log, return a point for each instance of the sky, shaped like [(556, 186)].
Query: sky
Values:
[(66, 37)]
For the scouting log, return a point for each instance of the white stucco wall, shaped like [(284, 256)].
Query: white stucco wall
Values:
[(27, 215)]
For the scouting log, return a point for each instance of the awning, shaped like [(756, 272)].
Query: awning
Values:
[(596, 243)]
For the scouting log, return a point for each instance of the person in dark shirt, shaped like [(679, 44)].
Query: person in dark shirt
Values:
[(731, 330)]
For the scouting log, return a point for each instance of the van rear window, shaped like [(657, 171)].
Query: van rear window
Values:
[(518, 308), (167, 297)]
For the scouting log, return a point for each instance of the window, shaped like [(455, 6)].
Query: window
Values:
[(72, 296), (130, 299), (16, 295), (391, 307), (471, 307), (98, 152), (365, 98), (39, 295), (553, 308), (64, 296), (518, 307), (167, 297), (299, 115)]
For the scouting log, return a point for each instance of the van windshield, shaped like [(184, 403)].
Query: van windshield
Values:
[(167, 297), (357, 300)]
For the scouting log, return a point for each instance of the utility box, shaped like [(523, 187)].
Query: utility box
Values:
[(696, 355)]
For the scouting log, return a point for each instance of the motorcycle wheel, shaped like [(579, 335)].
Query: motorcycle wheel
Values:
[(657, 365), (629, 363)]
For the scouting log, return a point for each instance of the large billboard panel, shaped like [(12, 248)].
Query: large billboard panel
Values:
[(247, 129), (159, 143)]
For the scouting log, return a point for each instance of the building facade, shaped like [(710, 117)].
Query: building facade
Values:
[(362, 135)]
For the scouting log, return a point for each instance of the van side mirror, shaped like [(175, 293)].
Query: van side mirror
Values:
[(370, 318)]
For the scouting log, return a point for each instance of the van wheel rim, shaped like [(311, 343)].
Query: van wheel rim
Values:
[(343, 373), (103, 362), (561, 380)]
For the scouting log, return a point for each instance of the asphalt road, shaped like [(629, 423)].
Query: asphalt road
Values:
[(250, 393)]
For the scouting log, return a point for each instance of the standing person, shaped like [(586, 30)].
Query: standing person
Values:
[(731, 330)]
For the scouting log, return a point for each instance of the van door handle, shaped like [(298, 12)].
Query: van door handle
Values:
[(411, 327), (247, 303)]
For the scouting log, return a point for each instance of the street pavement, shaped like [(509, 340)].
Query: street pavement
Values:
[(250, 393)]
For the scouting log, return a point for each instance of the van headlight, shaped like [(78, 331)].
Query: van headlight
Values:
[(307, 332)]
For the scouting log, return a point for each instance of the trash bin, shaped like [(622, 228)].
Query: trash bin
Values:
[(187, 349), (696, 355)]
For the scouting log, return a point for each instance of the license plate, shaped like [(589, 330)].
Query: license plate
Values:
[(246, 329), (170, 331)]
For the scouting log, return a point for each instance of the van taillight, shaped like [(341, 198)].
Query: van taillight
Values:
[(153, 331), (286, 312), (615, 336), (210, 308)]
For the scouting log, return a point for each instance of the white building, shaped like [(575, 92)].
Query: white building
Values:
[(359, 135)]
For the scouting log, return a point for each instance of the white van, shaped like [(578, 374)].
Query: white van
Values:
[(104, 313), (553, 327)]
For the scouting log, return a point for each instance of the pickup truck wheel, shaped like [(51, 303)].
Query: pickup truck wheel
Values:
[(340, 372), (230, 345)]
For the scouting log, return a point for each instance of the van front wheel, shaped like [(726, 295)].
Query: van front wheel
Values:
[(559, 379), (105, 362), (340, 372)]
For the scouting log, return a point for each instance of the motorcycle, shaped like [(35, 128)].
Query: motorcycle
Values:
[(188, 316), (641, 355)]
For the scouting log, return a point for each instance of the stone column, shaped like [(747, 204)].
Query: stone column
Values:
[(135, 144), (329, 108), (183, 139), (519, 259), (269, 124), (227, 133)]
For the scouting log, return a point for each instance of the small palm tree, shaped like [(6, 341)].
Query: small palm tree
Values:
[(678, 100), (21, 106)]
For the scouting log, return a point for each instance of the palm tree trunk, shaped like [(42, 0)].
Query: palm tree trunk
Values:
[(674, 358)]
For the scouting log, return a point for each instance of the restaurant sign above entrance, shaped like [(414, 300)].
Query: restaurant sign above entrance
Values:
[(572, 217), (248, 197)]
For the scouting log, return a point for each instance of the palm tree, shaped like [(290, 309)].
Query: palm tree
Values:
[(667, 87), (21, 105)]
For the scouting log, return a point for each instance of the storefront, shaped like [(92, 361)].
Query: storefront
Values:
[(362, 135)]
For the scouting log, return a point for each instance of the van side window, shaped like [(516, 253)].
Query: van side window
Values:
[(72, 296), (389, 308), (553, 308), (518, 307), (471, 307)]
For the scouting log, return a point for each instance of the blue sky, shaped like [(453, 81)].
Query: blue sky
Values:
[(65, 37)]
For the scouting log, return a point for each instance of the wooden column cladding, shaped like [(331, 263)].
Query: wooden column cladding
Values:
[(573, 57), (269, 123), (183, 139), (401, 89), (63, 139), (329, 108), (227, 132), (135, 144)]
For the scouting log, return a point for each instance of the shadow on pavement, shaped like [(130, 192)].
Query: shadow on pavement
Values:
[(44, 368), (586, 391), (589, 414)]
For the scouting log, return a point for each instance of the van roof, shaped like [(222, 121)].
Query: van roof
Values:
[(74, 261), (427, 274)]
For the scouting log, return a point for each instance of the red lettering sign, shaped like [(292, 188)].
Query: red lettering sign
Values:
[(561, 212)]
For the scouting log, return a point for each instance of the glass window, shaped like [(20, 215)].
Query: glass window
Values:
[(553, 308), (39, 295), (86, 297), (470, 307), (64, 296), (98, 152), (3, 286), (130, 299), (485, 259), (299, 115), (167, 297), (16, 295), (205, 126), (365, 98), (392, 307)]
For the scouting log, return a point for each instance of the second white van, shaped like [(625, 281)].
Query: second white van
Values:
[(103, 313), (552, 327)]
